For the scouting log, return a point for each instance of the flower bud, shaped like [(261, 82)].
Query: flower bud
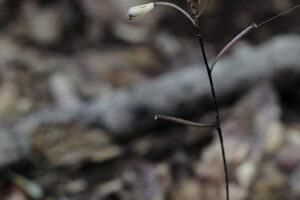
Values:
[(138, 11)]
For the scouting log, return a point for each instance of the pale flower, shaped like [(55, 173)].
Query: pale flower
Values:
[(138, 11)]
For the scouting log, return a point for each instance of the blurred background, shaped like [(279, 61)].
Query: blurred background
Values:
[(80, 85)]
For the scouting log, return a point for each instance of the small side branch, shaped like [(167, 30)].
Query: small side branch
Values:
[(232, 42), (244, 32), (182, 121)]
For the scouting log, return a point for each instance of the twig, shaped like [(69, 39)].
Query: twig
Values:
[(182, 121)]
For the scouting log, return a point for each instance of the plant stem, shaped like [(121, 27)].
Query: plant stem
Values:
[(215, 105)]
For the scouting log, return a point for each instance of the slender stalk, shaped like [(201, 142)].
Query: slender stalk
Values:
[(182, 121), (245, 32), (177, 8), (275, 17), (215, 105), (232, 42)]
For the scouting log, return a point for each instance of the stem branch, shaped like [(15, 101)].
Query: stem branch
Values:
[(232, 42), (182, 121)]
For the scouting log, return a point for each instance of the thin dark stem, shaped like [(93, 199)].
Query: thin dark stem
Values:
[(215, 105)]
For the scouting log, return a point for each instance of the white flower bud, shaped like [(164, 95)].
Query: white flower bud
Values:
[(138, 11)]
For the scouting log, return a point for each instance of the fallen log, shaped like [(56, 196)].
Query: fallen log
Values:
[(131, 109)]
